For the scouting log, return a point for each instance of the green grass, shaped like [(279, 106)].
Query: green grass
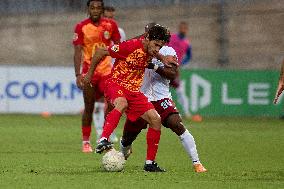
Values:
[(45, 153)]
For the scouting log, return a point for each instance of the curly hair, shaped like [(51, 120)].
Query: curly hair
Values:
[(158, 32), (89, 1)]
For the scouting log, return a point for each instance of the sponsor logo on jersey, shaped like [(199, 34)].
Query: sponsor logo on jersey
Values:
[(115, 48), (106, 35), (120, 92)]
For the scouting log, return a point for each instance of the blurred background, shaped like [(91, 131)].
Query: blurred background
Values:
[(240, 35)]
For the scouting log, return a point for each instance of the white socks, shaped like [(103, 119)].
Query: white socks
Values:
[(148, 161), (188, 143)]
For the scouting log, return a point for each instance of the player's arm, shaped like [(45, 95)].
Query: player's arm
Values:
[(166, 72), (99, 55), (280, 87), (78, 44), (77, 65)]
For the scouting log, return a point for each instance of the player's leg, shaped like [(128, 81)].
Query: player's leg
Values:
[(100, 107), (99, 117), (130, 132), (111, 122), (153, 139), (182, 98), (89, 100), (174, 122), (139, 106)]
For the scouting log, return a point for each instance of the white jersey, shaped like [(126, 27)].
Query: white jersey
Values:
[(156, 87)]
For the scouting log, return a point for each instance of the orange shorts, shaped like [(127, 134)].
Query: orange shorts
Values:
[(138, 103)]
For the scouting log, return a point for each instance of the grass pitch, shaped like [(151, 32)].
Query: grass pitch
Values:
[(38, 152)]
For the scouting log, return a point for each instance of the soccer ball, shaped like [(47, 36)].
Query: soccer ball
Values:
[(113, 161)]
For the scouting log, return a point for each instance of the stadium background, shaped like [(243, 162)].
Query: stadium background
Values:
[(237, 47), (225, 35)]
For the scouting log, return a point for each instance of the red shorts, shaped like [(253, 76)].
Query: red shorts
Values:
[(165, 107), (138, 103), (98, 82)]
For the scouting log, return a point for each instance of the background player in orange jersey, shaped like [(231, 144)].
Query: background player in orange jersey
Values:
[(99, 115), (123, 88), (90, 34)]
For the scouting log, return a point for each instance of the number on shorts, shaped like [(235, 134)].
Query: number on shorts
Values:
[(166, 103)]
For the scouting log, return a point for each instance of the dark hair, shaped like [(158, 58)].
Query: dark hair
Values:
[(149, 25), (109, 8), (158, 32), (89, 1)]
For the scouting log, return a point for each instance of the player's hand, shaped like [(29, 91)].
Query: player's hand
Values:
[(87, 79), (168, 60), (79, 81), (280, 89)]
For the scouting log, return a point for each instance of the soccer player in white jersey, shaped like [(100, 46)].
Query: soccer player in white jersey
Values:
[(156, 89)]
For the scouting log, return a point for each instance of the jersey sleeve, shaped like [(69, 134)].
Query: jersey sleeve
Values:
[(78, 38), (166, 51), (121, 50), (115, 35)]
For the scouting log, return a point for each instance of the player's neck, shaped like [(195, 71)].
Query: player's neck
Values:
[(95, 22), (145, 44)]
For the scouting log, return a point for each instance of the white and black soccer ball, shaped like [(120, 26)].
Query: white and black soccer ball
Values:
[(113, 161)]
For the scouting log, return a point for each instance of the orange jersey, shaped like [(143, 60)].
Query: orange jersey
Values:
[(91, 36), (130, 64)]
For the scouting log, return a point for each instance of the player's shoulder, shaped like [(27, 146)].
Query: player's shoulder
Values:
[(134, 43), (108, 21), (83, 22), (127, 46)]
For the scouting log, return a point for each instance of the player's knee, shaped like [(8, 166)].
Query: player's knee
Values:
[(155, 120), (174, 122), (121, 104), (155, 117), (179, 129), (89, 108)]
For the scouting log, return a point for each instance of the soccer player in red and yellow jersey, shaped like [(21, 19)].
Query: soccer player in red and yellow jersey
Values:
[(90, 34), (123, 88)]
